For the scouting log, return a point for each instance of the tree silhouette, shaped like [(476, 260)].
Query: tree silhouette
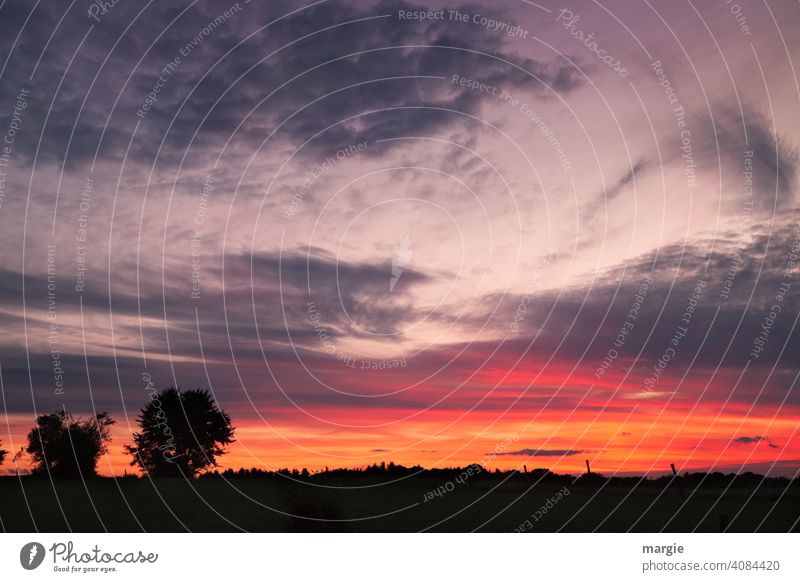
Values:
[(65, 447), (2, 454), (182, 433)]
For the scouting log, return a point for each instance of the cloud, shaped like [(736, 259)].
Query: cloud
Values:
[(648, 395), (593, 311), (542, 453), (636, 171), (571, 324), (774, 159), (746, 440), (304, 75), (352, 298)]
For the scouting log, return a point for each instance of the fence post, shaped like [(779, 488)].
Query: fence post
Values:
[(675, 476)]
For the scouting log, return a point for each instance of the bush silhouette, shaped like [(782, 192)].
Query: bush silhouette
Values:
[(182, 433), (62, 446), (2, 454)]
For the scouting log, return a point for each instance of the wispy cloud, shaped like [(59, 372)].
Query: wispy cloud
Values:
[(746, 440), (542, 453)]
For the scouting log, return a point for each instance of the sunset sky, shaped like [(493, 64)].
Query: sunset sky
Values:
[(382, 231)]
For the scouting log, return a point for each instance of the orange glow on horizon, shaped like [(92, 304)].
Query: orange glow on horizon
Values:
[(615, 442)]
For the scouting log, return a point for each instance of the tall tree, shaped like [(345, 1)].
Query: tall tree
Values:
[(182, 433), (67, 447)]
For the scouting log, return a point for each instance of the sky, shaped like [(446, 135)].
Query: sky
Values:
[(517, 233)]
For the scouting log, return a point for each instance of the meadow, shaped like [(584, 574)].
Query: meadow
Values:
[(349, 501)]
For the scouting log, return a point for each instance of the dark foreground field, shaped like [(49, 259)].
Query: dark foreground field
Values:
[(369, 503)]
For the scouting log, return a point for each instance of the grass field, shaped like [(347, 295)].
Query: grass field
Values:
[(371, 504)]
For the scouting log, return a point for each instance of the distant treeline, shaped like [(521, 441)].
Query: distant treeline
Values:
[(391, 471)]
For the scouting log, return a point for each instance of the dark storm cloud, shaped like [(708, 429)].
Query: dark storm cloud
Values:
[(213, 100)]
